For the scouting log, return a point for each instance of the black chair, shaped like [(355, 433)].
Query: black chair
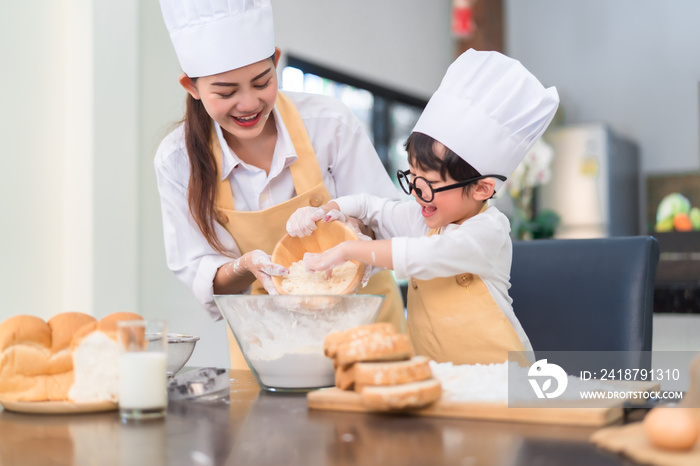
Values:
[(587, 296)]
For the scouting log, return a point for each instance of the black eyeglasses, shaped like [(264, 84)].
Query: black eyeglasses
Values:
[(424, 189)]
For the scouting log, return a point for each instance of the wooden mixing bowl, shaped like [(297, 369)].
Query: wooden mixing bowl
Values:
[(291, 249)]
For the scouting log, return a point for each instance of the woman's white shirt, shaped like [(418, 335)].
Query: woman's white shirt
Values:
[(348, 161), (480, 245)]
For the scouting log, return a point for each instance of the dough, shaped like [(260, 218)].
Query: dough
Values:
[(299, 281)]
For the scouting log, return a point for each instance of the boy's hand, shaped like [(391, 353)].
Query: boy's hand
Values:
[(303, 221), (352, 222), (324, 261), (337, 255), (356, 225)]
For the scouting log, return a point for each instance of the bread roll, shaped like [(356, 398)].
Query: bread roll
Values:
[(25, 330), (37, 358), (109, 323), (25, 345), (57, 385), (60, 374), (404, 396), (106, 325), (63, 326)]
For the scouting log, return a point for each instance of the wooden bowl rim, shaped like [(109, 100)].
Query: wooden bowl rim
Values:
[(352, 286)]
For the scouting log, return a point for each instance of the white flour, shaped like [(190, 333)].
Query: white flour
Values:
[(299, 281), (489, 383), (296, 370)]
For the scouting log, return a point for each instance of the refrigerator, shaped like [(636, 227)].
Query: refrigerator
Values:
[(594, 185)]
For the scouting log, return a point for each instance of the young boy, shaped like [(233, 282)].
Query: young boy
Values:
[(453, 247)]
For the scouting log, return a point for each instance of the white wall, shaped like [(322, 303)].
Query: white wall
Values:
[(69, 131), (403, 44), (116, 193), (32, 103), (632, 64)]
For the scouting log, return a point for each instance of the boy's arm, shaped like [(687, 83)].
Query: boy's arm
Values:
[(376, 253)]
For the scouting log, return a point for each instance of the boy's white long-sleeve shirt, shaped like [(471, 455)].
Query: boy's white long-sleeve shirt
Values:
[(481, 245)]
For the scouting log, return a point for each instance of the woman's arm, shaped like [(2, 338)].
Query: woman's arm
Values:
[(236, 276)]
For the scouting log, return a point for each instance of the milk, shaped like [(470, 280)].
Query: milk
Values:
[(142, 380)]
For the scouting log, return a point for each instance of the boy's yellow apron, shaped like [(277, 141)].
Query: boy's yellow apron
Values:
[(263, 229), (455, 319)]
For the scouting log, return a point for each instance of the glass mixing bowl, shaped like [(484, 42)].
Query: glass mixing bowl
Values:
[(281, 337)]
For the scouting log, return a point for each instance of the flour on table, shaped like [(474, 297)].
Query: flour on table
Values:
[(299, 281), (489, 382)]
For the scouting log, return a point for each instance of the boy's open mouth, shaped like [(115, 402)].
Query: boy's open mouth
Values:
[(427, 210)]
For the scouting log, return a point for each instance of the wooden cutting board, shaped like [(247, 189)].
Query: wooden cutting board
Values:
[(587, 412)]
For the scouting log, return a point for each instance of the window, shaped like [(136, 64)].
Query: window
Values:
[(387, 115)]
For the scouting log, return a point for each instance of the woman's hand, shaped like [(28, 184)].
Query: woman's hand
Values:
[(258, 263)]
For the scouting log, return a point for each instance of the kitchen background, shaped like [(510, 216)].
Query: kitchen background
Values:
[(89, 87)]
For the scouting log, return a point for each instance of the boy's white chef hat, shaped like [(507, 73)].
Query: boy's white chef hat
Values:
[(489, 110), (214, 36)]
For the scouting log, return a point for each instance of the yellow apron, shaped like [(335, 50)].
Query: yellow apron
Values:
[(455, 319), (263, 229)]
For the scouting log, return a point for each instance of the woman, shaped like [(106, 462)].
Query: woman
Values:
[(247, 156)]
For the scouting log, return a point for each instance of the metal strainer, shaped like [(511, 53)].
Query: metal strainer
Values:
[(180, 348)]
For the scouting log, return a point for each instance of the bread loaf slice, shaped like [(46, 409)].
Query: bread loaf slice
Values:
[(378, 363), (404, 396), (391, 373), (335, 339), (375, 347), (345, 377)]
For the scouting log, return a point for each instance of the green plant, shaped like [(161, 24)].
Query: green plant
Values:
[(543, 225)]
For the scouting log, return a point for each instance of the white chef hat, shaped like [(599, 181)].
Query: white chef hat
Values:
[(214, 36), (489, 110)]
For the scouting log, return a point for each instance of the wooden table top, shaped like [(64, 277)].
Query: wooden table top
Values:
[(253, 427)]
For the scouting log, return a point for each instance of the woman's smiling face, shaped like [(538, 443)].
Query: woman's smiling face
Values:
[(240, 100)]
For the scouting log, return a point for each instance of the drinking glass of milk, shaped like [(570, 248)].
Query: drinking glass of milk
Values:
[(143, 361)]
